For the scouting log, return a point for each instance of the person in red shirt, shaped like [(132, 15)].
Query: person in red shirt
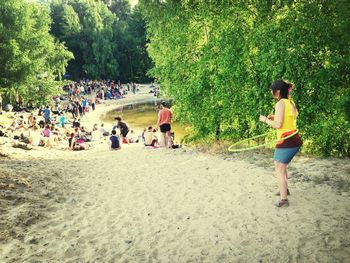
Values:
[(164, 120)]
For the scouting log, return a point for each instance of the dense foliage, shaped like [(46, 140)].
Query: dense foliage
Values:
[(107, 38), (30, 58), (218, 59), (42, 40)]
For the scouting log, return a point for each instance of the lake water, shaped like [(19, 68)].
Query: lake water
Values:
[(142, 116)]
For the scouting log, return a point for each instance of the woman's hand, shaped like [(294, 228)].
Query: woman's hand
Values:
[(262, 118), (271, 117)]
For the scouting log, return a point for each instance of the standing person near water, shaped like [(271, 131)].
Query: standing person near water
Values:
[(284, 121), (47, 114), (164, 120), (124, 129)]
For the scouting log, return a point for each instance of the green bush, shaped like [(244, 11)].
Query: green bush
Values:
[(217, 60)]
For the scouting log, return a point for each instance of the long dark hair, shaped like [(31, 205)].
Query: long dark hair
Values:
[(283, 86)]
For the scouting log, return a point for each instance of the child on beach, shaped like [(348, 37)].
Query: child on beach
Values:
[(114, 142)]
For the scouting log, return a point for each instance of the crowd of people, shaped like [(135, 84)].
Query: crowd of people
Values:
[(60, 123), (104, 89), (49, 130)]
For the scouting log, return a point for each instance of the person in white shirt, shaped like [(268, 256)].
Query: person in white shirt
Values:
[(150, 137)]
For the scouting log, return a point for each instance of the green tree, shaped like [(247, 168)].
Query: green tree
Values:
[(218, 59), (106, 37), (28, 53), (86, 28), (130, 35)]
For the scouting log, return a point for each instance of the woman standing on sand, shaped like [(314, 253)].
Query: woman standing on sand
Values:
[(284, 121)]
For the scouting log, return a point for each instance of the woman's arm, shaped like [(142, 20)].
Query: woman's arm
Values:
[(278, 118), (158, 121)]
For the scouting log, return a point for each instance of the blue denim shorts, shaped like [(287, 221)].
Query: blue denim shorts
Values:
[(285, 155)]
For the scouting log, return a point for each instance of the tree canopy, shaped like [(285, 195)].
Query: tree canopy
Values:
[(42, 40), (107, 38), (218, 59), (29, 55)]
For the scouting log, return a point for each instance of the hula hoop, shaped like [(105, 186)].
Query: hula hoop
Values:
[(258, 146)]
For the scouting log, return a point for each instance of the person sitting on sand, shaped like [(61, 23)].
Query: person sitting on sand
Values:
[(95, 136), (132, 138), (31, 120), (85, 135), (34, 136), (103, 132), (55, 135), (114, 142), (21, 122), (46, 133), (34, 133), (56, 109), (33, 123), (143, 135), (71, 140), (24, 137), (13, 126), (76, 133), (77, 144), (150, 137), (76, 123), (41, 124)]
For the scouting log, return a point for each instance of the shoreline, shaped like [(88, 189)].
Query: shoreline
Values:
[(10, 148), (165, 205)]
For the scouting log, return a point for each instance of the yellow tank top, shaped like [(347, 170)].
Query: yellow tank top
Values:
[(289, 120)]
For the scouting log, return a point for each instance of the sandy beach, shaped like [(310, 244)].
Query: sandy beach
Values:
[(162, 205)]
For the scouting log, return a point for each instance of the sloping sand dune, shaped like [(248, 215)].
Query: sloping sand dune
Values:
[(158, 205)]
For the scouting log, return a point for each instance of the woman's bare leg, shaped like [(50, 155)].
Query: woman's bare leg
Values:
[(286, 178), (170, 139), (282, 178), (164, 141)]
